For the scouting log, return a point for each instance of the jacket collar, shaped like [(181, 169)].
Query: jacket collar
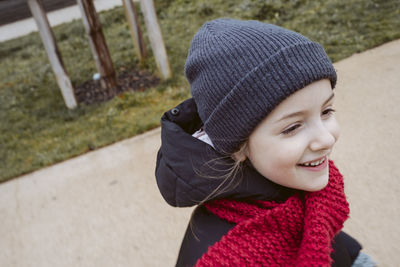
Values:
[(186, 166)]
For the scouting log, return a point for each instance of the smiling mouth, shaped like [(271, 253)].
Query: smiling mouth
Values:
[(315, 166), (312, 164)]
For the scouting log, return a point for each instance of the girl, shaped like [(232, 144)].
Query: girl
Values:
[(251, 149)]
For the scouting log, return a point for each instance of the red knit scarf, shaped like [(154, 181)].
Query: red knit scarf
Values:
[(297, 232)]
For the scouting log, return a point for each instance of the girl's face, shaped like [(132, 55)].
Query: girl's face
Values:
[(300, 131)]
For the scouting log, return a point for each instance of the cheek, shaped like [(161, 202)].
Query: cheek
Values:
[(288, 152), (278, 157), (291, 152)]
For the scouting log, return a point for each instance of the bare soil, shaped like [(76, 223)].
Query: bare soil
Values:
[(134, 80)]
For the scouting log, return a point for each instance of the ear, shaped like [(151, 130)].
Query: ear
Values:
[(241, 154)]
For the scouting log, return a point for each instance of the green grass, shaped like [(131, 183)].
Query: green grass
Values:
[(38, 130)]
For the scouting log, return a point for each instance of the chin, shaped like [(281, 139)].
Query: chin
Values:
[(318, 186)]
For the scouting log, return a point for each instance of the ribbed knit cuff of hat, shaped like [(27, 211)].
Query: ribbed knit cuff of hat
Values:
[(262, 89)]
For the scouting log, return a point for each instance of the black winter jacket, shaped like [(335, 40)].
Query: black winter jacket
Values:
[(181, 162)]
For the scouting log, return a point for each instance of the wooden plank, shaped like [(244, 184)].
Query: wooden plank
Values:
[(156, 40), (136, 33), (53, 53), (98, 46)]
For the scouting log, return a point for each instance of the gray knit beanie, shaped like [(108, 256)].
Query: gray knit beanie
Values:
[(239, 71)]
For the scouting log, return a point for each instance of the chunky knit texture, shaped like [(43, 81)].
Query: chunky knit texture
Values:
[(239, 71), (297, 232)]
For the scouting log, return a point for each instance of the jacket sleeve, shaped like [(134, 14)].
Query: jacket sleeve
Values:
[(345, 250), (204, 230)]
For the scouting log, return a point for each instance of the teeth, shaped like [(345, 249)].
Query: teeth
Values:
[(314, 163)]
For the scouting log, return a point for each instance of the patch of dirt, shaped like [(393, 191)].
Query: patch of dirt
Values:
[(135, 80)]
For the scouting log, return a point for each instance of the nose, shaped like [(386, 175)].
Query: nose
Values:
[(322, 138)]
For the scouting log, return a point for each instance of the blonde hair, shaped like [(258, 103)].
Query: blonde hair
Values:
[(230, 178)]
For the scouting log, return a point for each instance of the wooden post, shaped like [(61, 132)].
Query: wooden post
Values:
[(98, 45), (156, 40), (53, 53), (136, 33)]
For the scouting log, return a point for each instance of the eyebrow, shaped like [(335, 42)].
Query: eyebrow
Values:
[(294, 114)]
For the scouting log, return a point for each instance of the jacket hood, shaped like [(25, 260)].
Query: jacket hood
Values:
[(187, 167)]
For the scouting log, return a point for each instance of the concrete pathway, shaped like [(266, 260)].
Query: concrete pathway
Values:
[(368, 151), (99, 209), (104, 209), (25, 26)]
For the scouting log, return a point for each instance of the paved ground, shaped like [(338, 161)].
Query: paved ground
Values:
[(25, 26), (104, 209), (99, 209), (368, 151), (15, 10)]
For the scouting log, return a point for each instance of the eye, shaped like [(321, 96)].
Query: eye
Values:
[(291, 129), (328, 111)]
